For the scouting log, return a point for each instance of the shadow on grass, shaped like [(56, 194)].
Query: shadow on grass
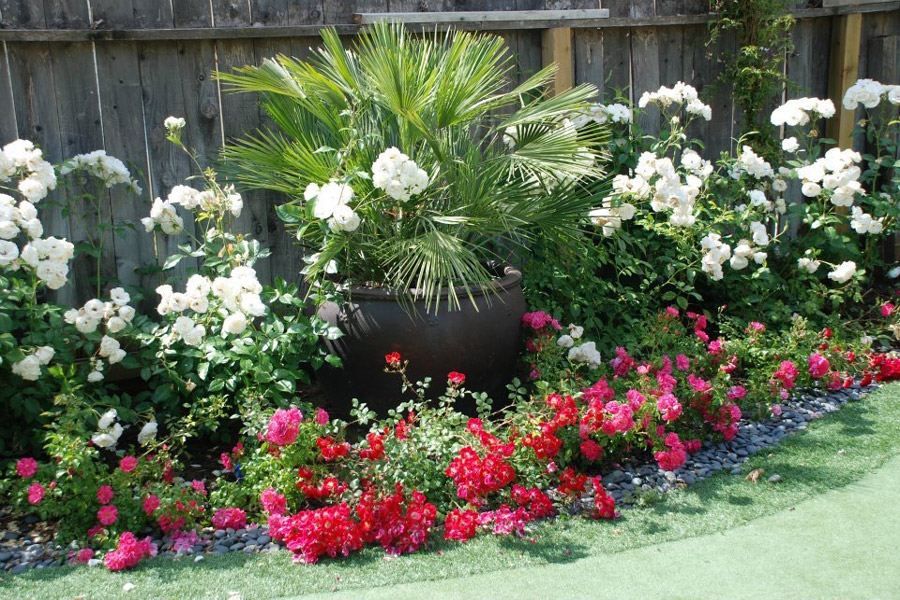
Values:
[(549, 551)]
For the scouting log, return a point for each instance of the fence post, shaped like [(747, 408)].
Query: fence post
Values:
[(843, 71), (556, 47)]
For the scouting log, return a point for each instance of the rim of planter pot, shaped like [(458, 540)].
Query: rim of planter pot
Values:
[(510, 279)]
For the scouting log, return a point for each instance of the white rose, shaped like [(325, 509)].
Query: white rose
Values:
[(29, 368), (116, 356), (115, 324), (252, 304), (148, 432), (95, 376), (576, 331), (107, 419), (174, 123), (108, 345), (44, 354), (790, 144), (8, 230), (843, 272), (565, 341), (119, 296), (195, 336), (811, 189), (183, 325), (235, 324), (8, 252), (127, 313)]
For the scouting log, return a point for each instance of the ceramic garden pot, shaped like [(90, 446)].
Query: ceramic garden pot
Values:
[(481, 341)]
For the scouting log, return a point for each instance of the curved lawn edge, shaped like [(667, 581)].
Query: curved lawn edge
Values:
[(833, 452)]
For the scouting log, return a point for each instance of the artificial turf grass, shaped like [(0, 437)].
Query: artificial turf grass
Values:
[(840, 544), (809, 463)]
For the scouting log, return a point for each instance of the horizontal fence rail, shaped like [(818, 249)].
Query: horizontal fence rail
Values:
[(81, 75)]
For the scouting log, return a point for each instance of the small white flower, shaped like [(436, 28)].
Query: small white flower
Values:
[(843, 272), (174, 124), (565, 341), (790, 144), (107, 419), (147, 433), (234, 324)]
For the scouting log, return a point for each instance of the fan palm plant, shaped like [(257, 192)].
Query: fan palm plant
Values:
[(409, 162)]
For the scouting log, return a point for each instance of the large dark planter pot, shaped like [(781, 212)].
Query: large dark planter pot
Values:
[(483, 344)]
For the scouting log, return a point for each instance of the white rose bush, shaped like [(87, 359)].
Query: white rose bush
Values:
[(676, 227)]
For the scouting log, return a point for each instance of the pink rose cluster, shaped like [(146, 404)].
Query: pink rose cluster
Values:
[(129, 552), (284, 426), (235, 518)]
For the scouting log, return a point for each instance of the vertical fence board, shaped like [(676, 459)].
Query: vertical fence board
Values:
[(645, 75), (8, 127), (81, 131), (240, 114), (231, 13), (162, 92), (22, 14), (121, 106)]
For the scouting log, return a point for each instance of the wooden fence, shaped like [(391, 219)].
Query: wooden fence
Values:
[(78, 75)]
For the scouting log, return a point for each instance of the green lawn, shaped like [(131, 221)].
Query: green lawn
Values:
[(834, 452)]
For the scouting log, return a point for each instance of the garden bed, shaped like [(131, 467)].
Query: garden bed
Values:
[(27, 543)]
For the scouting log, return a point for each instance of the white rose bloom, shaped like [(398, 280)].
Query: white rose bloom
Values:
[(586, 353), (115, 324), (894, 273), (198, 285), (576, 331), (195, 336), (52, 274), (311, 191), (127, 313), (843, 272), (807, 264), (344, 219), (107, 419), (893, 94), (235, 324), (29, 368), (185, 196), (147, 433), (179, 302), (44, 354), (8, 252), (104, 440), (252, 304), (760, 257), (174, 123), (183, 325), (34, 228), (95, 376), (235, 204), (790, 144), (8, 230), (738, 262), (200, 304), (565, 341), (330, 196), (811, 189), (116, 356), (108, 345), (86, 324), (119, 296)]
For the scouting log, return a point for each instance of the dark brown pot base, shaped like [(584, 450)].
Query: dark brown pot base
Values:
[(483, 344)]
